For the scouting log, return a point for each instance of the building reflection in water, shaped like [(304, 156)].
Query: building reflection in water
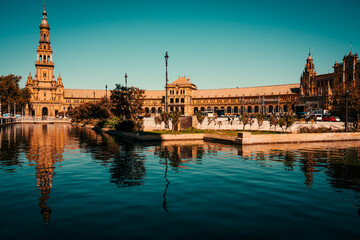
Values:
[(45, 149), (340, 160), (10, 145), (43, 146), (124, 160)]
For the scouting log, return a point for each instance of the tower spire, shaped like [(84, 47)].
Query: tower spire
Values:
[(44, 5)]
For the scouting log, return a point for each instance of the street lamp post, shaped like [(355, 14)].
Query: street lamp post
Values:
[(0, 107), (346, 110), (106, 91), (166, 85), (126, 81), (14, 109)]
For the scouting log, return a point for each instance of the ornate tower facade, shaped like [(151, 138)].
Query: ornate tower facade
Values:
[(47, 94), (307, 80)]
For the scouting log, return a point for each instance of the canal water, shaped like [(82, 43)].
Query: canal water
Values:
[(65, 182)]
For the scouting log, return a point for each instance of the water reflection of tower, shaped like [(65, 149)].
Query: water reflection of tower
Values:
[(46, 146), (308, 167)]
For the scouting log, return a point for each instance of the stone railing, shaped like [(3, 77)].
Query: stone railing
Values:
[(41, 120)]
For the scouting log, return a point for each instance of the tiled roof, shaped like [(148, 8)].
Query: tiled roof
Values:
[(84, 93), (181, 81), (248, 91), (154, 93)]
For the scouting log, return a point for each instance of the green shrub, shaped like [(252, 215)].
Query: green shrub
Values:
[(318, 130)]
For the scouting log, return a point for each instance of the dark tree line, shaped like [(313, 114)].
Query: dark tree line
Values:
[(11, 93)]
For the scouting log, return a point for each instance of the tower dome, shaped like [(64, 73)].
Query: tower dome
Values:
[(44, 23)]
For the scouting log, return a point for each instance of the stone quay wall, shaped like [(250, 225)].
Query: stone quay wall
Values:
[(246, 138)]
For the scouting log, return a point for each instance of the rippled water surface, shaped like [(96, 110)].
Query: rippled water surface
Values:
[(64, 182)]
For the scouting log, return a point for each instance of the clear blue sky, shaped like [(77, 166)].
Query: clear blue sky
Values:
[(218, 44)]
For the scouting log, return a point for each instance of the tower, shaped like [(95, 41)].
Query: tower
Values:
[(44, 79), (46, 93), (307, 80)]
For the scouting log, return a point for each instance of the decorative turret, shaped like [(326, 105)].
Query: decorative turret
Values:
[(29, 81), (59, 82), (307, 80), (309, 66)]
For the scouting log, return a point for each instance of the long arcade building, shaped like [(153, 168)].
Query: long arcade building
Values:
[(50, 98)]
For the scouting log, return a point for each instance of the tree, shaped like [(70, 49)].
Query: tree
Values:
[(90, 111), (273, 121), (157, 120), (219, 123), (338, 102), (175, 120), (245, 119), (127, 102), (200, 117), (281, 122), (251, 122), (260, 119), (289, 120), (231, 121), (165, 117), (11, 93), (211, 120)]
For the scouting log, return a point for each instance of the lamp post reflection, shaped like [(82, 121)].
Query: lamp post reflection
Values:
[(177, 157), (166, 186)]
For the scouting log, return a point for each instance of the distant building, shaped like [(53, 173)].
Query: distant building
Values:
[(316, 90), (185, 97)]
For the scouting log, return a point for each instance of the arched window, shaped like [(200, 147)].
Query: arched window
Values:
[(202, 109), (44, 36), (182, 110), (171, 109), (146, 110), (159, 110), (152, 110), (184, 90), (256, 109), (271, 109), (209, 108), (285, 107), (236, 109), (228, 110), (176, 100), (171, 100), (277, 109), (196, 109), (249, 109), (182, 100)]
